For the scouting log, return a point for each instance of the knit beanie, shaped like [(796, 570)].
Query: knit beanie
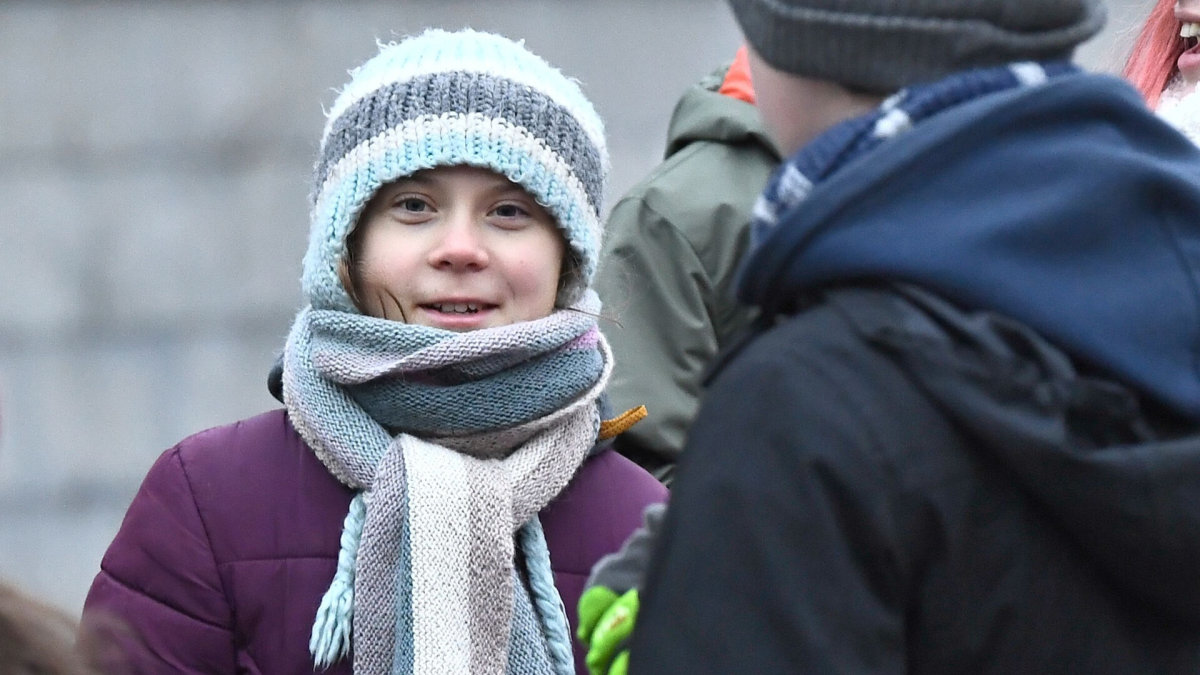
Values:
[(881, 46), (461, 98)]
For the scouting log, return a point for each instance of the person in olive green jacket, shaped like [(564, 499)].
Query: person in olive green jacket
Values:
[(673, 246)]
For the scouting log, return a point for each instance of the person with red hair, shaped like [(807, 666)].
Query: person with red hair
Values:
[(1165, 63)]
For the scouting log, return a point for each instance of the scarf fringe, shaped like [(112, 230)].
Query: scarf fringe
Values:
[(330, 639), (546, 598)]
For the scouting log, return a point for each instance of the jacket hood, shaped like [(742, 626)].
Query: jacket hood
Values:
[(705, 114), (1122, 484), (1068, 207)]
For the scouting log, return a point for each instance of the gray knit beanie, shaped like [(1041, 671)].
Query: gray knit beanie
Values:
[(881, 46)]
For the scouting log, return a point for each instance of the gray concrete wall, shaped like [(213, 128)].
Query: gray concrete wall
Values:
[(154, 166)]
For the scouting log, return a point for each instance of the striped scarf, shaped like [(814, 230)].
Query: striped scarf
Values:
[(845, 142), (455, 442)]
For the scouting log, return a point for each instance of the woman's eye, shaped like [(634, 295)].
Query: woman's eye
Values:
[(413, 204), (510, 211)]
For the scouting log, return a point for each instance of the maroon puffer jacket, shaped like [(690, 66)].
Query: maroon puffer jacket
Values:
[(233, 537)]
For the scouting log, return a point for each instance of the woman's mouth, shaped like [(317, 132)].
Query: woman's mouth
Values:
[(455, 307), (455, 314), (1189, 61)]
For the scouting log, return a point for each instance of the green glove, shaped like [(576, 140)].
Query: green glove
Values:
[(606, 622)]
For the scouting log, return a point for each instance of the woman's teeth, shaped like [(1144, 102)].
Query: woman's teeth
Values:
[(457, 308), (1188, 30)]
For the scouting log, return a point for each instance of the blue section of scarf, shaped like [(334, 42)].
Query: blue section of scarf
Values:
[(521, 379)]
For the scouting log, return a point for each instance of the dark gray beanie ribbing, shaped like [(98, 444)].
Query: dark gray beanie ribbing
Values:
[(885, 45)]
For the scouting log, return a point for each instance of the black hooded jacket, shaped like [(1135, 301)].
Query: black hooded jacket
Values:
[(989, 463), (926, 490)]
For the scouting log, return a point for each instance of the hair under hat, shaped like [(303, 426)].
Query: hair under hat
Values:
[(882, 46), (462, 98)]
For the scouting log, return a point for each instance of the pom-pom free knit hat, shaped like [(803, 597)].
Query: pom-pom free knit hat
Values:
[(881, 46), (462, 98)]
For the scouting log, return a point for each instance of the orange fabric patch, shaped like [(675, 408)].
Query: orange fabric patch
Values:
[(737, 82), (622, 422)]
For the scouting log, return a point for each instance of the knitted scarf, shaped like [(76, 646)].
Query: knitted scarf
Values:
[(455, 441), (841, 145)]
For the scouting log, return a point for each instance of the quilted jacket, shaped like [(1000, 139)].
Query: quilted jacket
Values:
[(232, 540)]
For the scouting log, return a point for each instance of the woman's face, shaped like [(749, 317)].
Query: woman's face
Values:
[(456, 247)]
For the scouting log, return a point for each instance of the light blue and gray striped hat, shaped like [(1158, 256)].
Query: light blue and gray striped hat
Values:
[(444, 99)]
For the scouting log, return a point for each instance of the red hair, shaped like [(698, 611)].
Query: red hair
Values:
[(1152, 63)]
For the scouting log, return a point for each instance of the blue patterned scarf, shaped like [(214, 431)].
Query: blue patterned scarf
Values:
[(455, 441)]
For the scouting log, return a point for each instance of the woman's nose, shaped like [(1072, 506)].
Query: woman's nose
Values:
[(459, 246)]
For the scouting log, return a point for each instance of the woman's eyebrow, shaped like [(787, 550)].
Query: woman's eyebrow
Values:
[(504, 187)]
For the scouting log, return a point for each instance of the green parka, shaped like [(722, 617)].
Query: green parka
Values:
[(672, 249)]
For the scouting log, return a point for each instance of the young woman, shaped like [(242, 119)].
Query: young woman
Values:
[(438, 484)]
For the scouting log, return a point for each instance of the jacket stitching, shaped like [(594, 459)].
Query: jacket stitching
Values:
[(108, 574), (208, 539)]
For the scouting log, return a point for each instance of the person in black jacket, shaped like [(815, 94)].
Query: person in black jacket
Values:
[(966, 436)]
